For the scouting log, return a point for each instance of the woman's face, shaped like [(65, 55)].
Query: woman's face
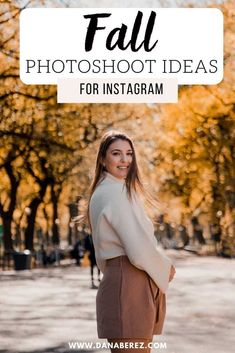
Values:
[(118, 158)]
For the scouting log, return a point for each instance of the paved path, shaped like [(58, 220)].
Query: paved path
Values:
[(42, 310)]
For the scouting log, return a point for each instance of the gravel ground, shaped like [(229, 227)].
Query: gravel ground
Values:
[(44, 310)]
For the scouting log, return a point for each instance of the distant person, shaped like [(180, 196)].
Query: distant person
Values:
[(130, 302), (43, 254), (198, 231), (89, 247), (216, 236), (77, 252)]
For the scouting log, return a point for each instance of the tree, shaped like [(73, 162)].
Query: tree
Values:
[(195, 153)]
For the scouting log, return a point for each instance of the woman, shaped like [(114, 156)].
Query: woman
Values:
[(130, 302)]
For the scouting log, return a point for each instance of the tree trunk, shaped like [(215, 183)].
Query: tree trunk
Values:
[(29, 231), (7, 239), (55, 194), (8, 214), (31, 217), (55, 228), (73, 212)]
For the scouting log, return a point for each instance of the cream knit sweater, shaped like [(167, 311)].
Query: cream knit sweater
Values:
[(121, 227)]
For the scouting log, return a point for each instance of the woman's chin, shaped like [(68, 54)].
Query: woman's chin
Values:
[(121, 174)]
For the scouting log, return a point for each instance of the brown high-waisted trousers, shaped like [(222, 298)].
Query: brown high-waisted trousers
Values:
[(128, 302)]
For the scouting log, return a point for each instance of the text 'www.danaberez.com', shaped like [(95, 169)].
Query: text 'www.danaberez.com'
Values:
[(74, 345)]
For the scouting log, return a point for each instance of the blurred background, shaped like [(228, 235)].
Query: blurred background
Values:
[(47, 153), (186, 154)]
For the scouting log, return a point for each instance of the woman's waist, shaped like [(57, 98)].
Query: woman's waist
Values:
[(116, 261), (119, 265)]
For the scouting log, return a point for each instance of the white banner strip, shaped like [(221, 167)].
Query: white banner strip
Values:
[(117, 91), (180, 43)]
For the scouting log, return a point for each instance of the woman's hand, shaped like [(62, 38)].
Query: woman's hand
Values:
[(172, 273)]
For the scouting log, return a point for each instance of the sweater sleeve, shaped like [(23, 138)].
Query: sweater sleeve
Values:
[(132, 227)]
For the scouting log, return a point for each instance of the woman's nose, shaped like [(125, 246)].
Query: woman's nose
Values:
[(123, 158)]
